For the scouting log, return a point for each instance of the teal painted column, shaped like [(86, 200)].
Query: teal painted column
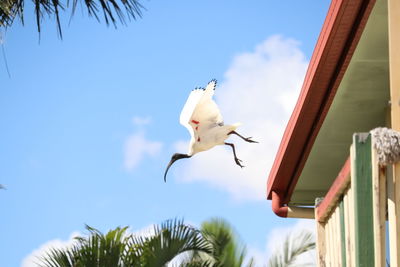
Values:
[(362, 188)]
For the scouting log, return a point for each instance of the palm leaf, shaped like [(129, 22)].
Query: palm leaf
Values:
[(96, 249), (8, 10), (111, 9), (171, 239), (293, 246), (227, 249), (116, 248), (56, 257), (198, 263), (102, 250)]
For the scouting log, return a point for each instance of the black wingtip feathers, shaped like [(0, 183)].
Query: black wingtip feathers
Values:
[(201, 88), (215, 81)]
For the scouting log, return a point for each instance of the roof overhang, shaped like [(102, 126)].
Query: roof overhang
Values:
[(341, 32)]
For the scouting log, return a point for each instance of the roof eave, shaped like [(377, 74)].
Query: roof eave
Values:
[(337, 41)]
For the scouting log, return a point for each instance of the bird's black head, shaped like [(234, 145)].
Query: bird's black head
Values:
[(174, 158)]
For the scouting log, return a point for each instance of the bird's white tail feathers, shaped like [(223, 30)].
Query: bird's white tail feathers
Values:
[(236, 125), (231, 127)]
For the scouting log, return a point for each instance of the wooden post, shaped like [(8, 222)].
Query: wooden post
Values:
[(394, 183), (338, 244), (328, 238), (363, 212), (343, 232), (394, 61), (321, 242), (351, 207), (338, 236), (331, 242), (333, 238), (349, 252), (394, 216), (379, 210)]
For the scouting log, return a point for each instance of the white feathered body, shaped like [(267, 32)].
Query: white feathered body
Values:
[(202, 118)]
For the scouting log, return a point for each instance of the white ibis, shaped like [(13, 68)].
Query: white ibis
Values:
[(202, 118)]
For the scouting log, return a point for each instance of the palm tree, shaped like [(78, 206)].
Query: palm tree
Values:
[(112, 10), (95, 250), (215, 245), (118, 248), (295, 244), (226, 248)]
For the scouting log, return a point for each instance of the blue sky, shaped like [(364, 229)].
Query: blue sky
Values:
[(90, 122)]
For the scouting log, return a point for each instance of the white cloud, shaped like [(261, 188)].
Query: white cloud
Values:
[(137, 146), (139, 121), (32, 259), (259, 90), (275, 239)]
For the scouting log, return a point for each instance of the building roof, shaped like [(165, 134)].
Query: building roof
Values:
[(345, 83)]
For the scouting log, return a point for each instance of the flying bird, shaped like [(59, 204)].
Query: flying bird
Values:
[(202, 118)]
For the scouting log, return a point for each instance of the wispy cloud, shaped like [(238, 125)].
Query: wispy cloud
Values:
[(140, 121), (34, 257), (137, 146), (259, 90)]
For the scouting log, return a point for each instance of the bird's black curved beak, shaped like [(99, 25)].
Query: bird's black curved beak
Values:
[(174, 158)]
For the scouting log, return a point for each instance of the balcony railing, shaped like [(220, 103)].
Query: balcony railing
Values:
[(351, 219)]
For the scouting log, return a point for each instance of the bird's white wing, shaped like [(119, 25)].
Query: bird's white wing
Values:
[(200, 110), (207, 111), (189, 107)]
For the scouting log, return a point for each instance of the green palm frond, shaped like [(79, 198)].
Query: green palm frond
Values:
[(112, 10), (293, 246), (96, 249), (9, 9), (215, 245), (102, 250), (227, 249), (170, 239), (59, 257), (198, 263)]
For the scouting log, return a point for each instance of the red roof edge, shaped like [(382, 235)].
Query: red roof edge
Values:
[(339, 185), (337, 41)]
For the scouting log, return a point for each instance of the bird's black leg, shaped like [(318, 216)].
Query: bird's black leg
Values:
[(247, 139), (234, 154)]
